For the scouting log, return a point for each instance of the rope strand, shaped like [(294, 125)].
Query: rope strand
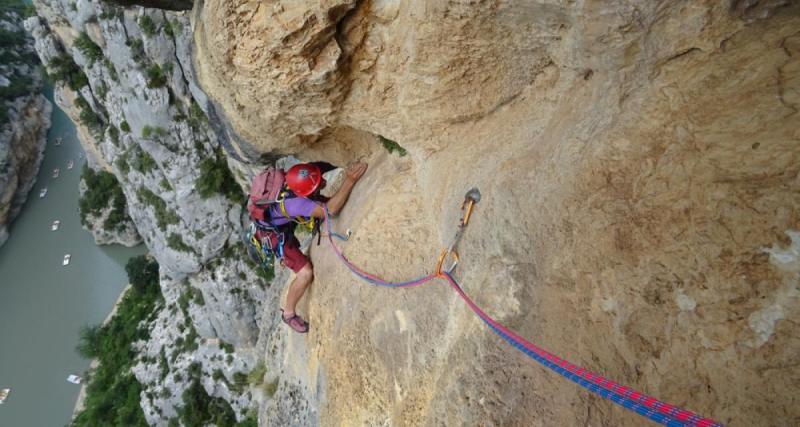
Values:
[(642, 404)]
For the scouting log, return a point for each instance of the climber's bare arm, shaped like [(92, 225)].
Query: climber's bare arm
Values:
[(353, 173)]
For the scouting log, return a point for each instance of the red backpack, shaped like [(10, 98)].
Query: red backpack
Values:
[(266, 188)]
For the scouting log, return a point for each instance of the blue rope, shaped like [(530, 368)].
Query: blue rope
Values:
[(626, 403), (658, 417)]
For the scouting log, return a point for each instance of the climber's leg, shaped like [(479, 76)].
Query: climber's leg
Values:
[(298, 288), (304, 275)]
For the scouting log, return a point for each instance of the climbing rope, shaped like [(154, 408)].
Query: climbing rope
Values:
[(371, 278), (644, 405)]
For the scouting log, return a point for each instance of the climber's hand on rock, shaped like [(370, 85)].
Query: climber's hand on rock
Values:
[(356, 170)]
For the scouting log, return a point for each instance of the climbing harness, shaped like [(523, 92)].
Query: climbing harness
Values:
[(644, 405), (263, 239), (307, 224)]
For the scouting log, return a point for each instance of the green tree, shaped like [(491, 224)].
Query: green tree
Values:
[(142, 273), (89, 341)]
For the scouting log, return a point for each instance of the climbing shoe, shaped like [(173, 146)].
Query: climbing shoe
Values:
[(295, 322)]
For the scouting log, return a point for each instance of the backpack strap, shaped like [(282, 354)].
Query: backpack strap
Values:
[(308, 223)]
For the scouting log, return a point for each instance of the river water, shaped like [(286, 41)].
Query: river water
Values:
[(42, 303)]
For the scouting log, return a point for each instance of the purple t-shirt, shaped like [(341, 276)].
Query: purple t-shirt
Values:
[(296, 206)]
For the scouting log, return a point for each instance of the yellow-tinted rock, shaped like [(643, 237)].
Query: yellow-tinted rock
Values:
[(636, 161)]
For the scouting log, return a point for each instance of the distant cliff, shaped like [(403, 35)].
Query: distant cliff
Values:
[(639, 168), (24, 114), (124, 76)]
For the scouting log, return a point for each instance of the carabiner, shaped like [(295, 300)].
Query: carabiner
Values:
[(443, 258), (473, 196)]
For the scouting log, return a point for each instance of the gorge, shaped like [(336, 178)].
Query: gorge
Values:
[(638, 162)]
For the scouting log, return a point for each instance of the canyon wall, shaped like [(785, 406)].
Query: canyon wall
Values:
[(639, 169), (24, 116), (124, 77), (638, 162)]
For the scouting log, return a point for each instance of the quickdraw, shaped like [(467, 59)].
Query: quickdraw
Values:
[(472, 197)]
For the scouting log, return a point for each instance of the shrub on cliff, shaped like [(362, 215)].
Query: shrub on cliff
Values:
[(156, 77), (175, 242), (200, 409), (102, 191), (392, 146), (88, 48), (144, 162), (147, 25), (164, 215), (88, 117), (18, 86), (142, 273), (150, 132), (215, 177), (15, 56), (63, 69), (19, 7), (11, 38)]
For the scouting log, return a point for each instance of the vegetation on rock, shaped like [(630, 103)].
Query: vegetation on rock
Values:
[(392, 146), (164, 215), (88, 48), (144, 162), (102, 191), (175, 241), (19, 7), (147, 25), (88, 117), (153, 132), (156, 77), (15, 56), (63, 69), (216, 178), (112, 393)]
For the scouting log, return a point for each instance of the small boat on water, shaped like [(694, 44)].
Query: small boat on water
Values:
[(56, 171), (55, 225), (43, 192), (66, 259), (70, 164), (4, 395), (58, 140), (74, 379)]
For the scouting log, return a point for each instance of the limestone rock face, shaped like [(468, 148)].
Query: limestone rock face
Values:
[(149, 131), (286, 54), (22, 145), (24, 121), (139, 117), (639, 168), (638, 162)]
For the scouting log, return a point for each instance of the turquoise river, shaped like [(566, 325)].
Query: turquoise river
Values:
[(44, 304)]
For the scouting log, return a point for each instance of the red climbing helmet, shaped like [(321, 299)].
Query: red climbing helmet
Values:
[(304, 179)]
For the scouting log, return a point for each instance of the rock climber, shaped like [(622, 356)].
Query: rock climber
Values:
[(300, 203)]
